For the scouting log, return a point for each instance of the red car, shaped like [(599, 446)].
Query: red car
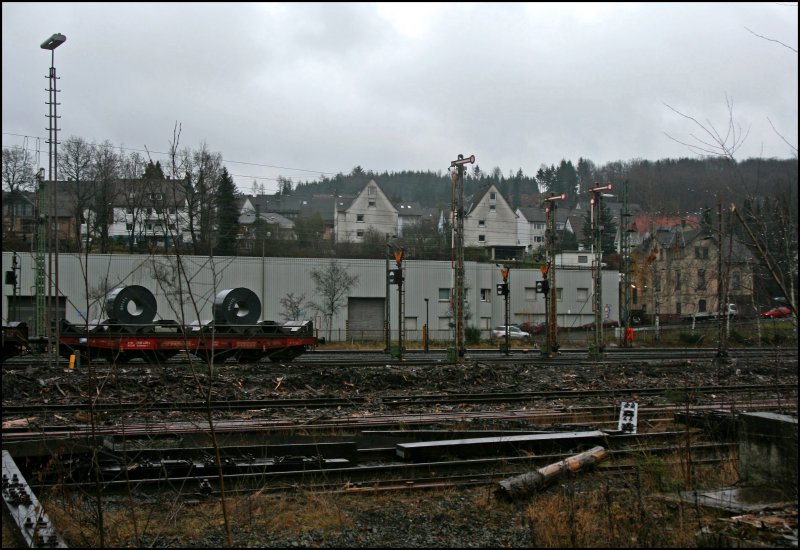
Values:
[(538, 328), (777, 312)]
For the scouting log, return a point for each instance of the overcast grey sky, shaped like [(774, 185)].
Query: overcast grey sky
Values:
[(321, 88)]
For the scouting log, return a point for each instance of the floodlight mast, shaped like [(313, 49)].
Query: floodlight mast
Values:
[(53, 324), (551, 343)]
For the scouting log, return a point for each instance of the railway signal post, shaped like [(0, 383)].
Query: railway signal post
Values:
[(504, 290), (458, 249), (550, 347), (597, 347), (396, 278)]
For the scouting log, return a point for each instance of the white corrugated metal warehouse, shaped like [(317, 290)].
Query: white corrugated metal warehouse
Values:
[(189, 298)]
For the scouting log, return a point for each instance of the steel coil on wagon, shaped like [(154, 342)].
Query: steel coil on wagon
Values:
[(131, 305), (237, 306)]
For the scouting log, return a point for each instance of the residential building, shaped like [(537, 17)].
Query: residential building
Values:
[(676, 274), (370, 211), (489, 222)]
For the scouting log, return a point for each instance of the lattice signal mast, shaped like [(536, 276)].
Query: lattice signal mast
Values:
[(457, 254), (551, 297)]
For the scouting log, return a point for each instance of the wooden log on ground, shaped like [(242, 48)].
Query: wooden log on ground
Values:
[(523, 485)]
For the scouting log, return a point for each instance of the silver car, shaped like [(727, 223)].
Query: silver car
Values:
[(514, 333)]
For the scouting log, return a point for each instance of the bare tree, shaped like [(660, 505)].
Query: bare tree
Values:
[(17, 173), (75, 165), (202, 168), (713, 141), (292, 306), (17, 170), (333, 284), (106, 167)]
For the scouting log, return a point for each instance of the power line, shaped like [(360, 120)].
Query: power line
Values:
[(264, 165)]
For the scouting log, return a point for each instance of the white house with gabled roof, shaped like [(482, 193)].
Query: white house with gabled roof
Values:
[(371, 210)]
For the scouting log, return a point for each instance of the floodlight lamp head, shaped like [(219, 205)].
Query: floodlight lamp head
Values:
[(54, 41)]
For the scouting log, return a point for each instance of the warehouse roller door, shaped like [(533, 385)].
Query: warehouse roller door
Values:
[(365, 317)]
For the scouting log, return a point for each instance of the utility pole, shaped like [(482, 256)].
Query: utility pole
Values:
[(458, 249), (401, 320), (625, 241), (597, 268), (387, 319), (722, 309), (549, 271)]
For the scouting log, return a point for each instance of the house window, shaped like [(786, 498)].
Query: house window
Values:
[(360, 233), (481, 238), (360, 218), (481, 223), (444, 294), (701, 306), (129, 226), (371, 203), (372, 191), (530, 294), (538, 226), (486, 323), (677, 280), (171, 209), (583, 259), (538, 239), (486, 294), (149, 226), (678, 309), (560, 292), (492, 196), (129, 210), (701, 279), (583, 295), (657, 283), (492, 208), (172, 227)]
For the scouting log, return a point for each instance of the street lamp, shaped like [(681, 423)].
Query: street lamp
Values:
[(51, 44), (427, 328)]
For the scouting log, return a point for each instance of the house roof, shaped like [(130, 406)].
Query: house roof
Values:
[(249, 217), (291, 206)]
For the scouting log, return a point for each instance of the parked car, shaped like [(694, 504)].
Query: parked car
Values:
[(777, 312), (608, 323), (514, 333)]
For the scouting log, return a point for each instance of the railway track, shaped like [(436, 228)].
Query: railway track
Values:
[(367, 358), (393, 401)]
